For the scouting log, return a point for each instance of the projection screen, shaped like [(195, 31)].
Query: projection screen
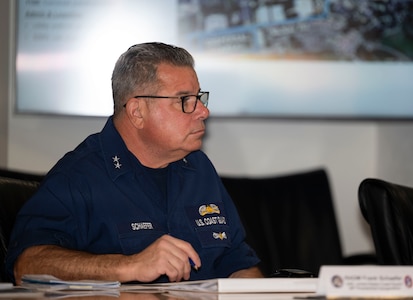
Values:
[(285, 59)]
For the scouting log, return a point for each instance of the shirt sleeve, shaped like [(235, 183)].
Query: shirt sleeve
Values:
[(46, 219)]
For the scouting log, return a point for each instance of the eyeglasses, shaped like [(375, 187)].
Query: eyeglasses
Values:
[(188, 102)]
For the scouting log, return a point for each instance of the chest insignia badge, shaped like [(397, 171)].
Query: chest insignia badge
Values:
[(219, 235), (208, 209)]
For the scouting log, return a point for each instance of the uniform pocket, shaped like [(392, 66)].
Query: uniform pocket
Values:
[(209, 222), (136, 236)]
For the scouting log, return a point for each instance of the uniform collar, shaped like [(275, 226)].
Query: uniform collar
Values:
[(119, 160)]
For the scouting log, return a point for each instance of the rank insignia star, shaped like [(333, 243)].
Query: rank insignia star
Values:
[(116, 162)]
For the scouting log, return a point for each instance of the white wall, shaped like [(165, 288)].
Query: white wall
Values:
[(395, 152), (350, 151)]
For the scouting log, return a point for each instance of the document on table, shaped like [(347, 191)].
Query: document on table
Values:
[(234, 285), (240, 296), (49, 282)]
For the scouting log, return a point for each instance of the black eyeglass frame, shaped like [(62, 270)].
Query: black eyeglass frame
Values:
[(182, 98)]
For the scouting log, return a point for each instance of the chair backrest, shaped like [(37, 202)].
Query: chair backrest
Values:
[(15, 189), (289, 220), (388, 208)]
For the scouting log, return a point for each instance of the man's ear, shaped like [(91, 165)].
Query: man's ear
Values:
[(134, 112)]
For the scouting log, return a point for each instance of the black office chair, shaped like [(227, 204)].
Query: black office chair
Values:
[(290, 221), (15, 189), (388, 208)]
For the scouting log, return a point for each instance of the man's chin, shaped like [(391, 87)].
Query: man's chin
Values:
[(194, 147)]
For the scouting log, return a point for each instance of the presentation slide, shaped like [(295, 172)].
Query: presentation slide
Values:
[(258, 58)]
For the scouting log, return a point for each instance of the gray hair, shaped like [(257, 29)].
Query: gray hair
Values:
[(137, 69)]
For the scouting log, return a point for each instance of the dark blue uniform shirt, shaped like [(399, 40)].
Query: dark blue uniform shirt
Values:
[(100, 199)]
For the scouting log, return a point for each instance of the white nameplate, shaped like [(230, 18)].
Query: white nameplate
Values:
[(365, 281)]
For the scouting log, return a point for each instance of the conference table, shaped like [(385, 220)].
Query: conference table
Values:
[(179, 296), (189, 296), (157, 295), (49, 287)]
